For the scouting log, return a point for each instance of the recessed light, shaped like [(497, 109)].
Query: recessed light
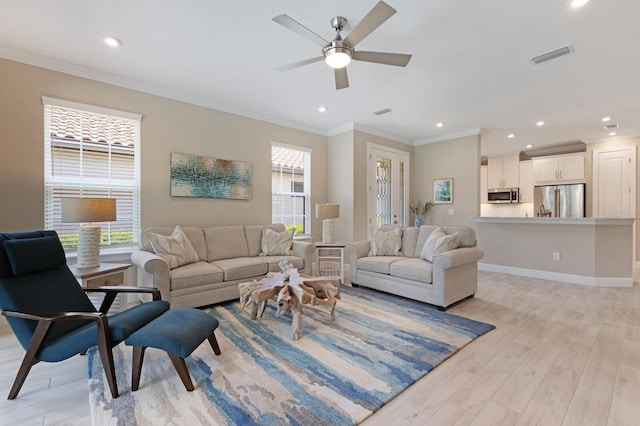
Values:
[(612, 134), (605, 119), (112, 41), (511, 136), (440, 124), (578, 3), (540, 123), (529, 146), (322, 109)]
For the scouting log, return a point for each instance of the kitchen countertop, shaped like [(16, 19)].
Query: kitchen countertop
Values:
[(555, 220)]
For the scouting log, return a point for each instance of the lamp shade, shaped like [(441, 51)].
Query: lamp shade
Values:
[(327, 211), (76, 210)]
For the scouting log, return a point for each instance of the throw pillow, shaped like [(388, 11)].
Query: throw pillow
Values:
[(175, 249), (386, 243), (437, 243), (277, 243)]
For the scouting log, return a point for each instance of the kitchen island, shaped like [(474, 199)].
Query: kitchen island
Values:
[(588, 251)]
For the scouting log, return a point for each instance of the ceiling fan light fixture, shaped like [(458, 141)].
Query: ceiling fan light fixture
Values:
[(337, 56)]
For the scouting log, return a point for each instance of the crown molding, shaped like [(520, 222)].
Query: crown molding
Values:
[(464, 133), (347, 127), (139, 86)]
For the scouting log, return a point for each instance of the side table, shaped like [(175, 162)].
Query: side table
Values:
[(103, 275), (334, 253)]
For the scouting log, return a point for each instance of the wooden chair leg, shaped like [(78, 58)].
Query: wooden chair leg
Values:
[(106, 355), (29, 359), (183, 371), (136, 368), (214, 343)]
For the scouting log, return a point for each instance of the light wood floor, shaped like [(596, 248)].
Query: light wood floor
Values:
[(561, 354)]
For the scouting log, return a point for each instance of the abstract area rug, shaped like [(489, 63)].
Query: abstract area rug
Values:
[(336, 373)]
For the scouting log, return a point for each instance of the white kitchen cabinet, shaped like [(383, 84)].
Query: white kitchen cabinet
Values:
[(526, 181), (559, 169), (502, 172), (483, 185)]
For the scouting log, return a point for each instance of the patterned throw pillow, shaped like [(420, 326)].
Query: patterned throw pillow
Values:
[(277, 243), (176, 249), (437, 243), (386, 243)]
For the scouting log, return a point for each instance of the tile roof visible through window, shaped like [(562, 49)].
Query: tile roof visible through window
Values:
[(72, 125), (288, 158)]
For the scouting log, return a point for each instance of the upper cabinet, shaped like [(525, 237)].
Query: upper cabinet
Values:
[(502, 172), (559, 169), (526, 181)]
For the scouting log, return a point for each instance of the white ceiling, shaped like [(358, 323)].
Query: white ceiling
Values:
[(470, 65)]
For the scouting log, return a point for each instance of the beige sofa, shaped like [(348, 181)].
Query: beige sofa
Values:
[(227, 255), (450, 277)]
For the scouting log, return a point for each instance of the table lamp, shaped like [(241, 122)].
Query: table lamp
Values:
[(86, 211), (327, 212)]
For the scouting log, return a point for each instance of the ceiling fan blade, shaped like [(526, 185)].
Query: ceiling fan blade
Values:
[(376, 17), (342, 80), (298, 64), (397, 59), (297, 27)]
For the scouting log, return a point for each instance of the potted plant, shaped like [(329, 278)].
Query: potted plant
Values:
[(419, 209)]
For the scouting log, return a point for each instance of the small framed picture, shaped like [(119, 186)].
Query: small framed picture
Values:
[(443, 191)]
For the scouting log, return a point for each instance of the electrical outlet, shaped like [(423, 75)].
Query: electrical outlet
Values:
[(556, 255)]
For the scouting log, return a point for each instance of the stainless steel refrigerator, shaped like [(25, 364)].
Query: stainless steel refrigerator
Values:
[(559, 200)]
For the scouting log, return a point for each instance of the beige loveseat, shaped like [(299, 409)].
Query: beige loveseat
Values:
[(226, 256), (450, 277)]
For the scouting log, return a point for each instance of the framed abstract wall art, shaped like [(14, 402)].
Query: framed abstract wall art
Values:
[(207, 177), (443, 191)]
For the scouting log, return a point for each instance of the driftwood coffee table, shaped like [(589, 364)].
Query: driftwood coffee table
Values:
[(291, 294)]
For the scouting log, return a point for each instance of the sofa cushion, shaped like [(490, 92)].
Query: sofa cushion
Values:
[(195, 275), (437, 243), (175, 249), (194, 233), (277, 243), (253, 234), (413, 269), (273, 261), (380, 264), (242, 267), (226, 242), (466, 235), (386, 243)]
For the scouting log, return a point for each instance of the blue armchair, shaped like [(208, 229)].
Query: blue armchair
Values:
[(50, 313)]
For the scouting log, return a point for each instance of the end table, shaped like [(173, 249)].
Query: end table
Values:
[(333, 252)]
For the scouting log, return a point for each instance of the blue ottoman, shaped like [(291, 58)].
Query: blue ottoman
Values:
[(178, 332)]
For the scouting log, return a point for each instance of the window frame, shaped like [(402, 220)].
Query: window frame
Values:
[(84, 186), (307, 152)]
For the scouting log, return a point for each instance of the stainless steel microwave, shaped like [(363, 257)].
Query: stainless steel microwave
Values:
[(503, 196)]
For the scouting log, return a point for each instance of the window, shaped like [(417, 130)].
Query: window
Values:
[(92, 152), (290, 183)]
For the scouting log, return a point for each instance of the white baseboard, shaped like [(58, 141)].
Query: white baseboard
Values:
[(558, 276)]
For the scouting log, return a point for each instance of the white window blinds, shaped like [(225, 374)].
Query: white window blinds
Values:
[(92, 154)]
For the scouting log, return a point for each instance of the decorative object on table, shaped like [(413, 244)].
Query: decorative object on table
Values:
[(443, 191), (324, 378), (327, 212), (419, 210), (87, 211), (208, 177), (285, 267)]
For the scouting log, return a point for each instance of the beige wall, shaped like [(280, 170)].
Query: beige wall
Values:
[(458, 159), (340, 179), (167, 126)]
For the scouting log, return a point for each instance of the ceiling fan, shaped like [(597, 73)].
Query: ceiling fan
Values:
[(339, 52)]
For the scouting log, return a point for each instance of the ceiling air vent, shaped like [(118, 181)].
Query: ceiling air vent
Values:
[(551, 55), (611, 126), (382, 111)]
